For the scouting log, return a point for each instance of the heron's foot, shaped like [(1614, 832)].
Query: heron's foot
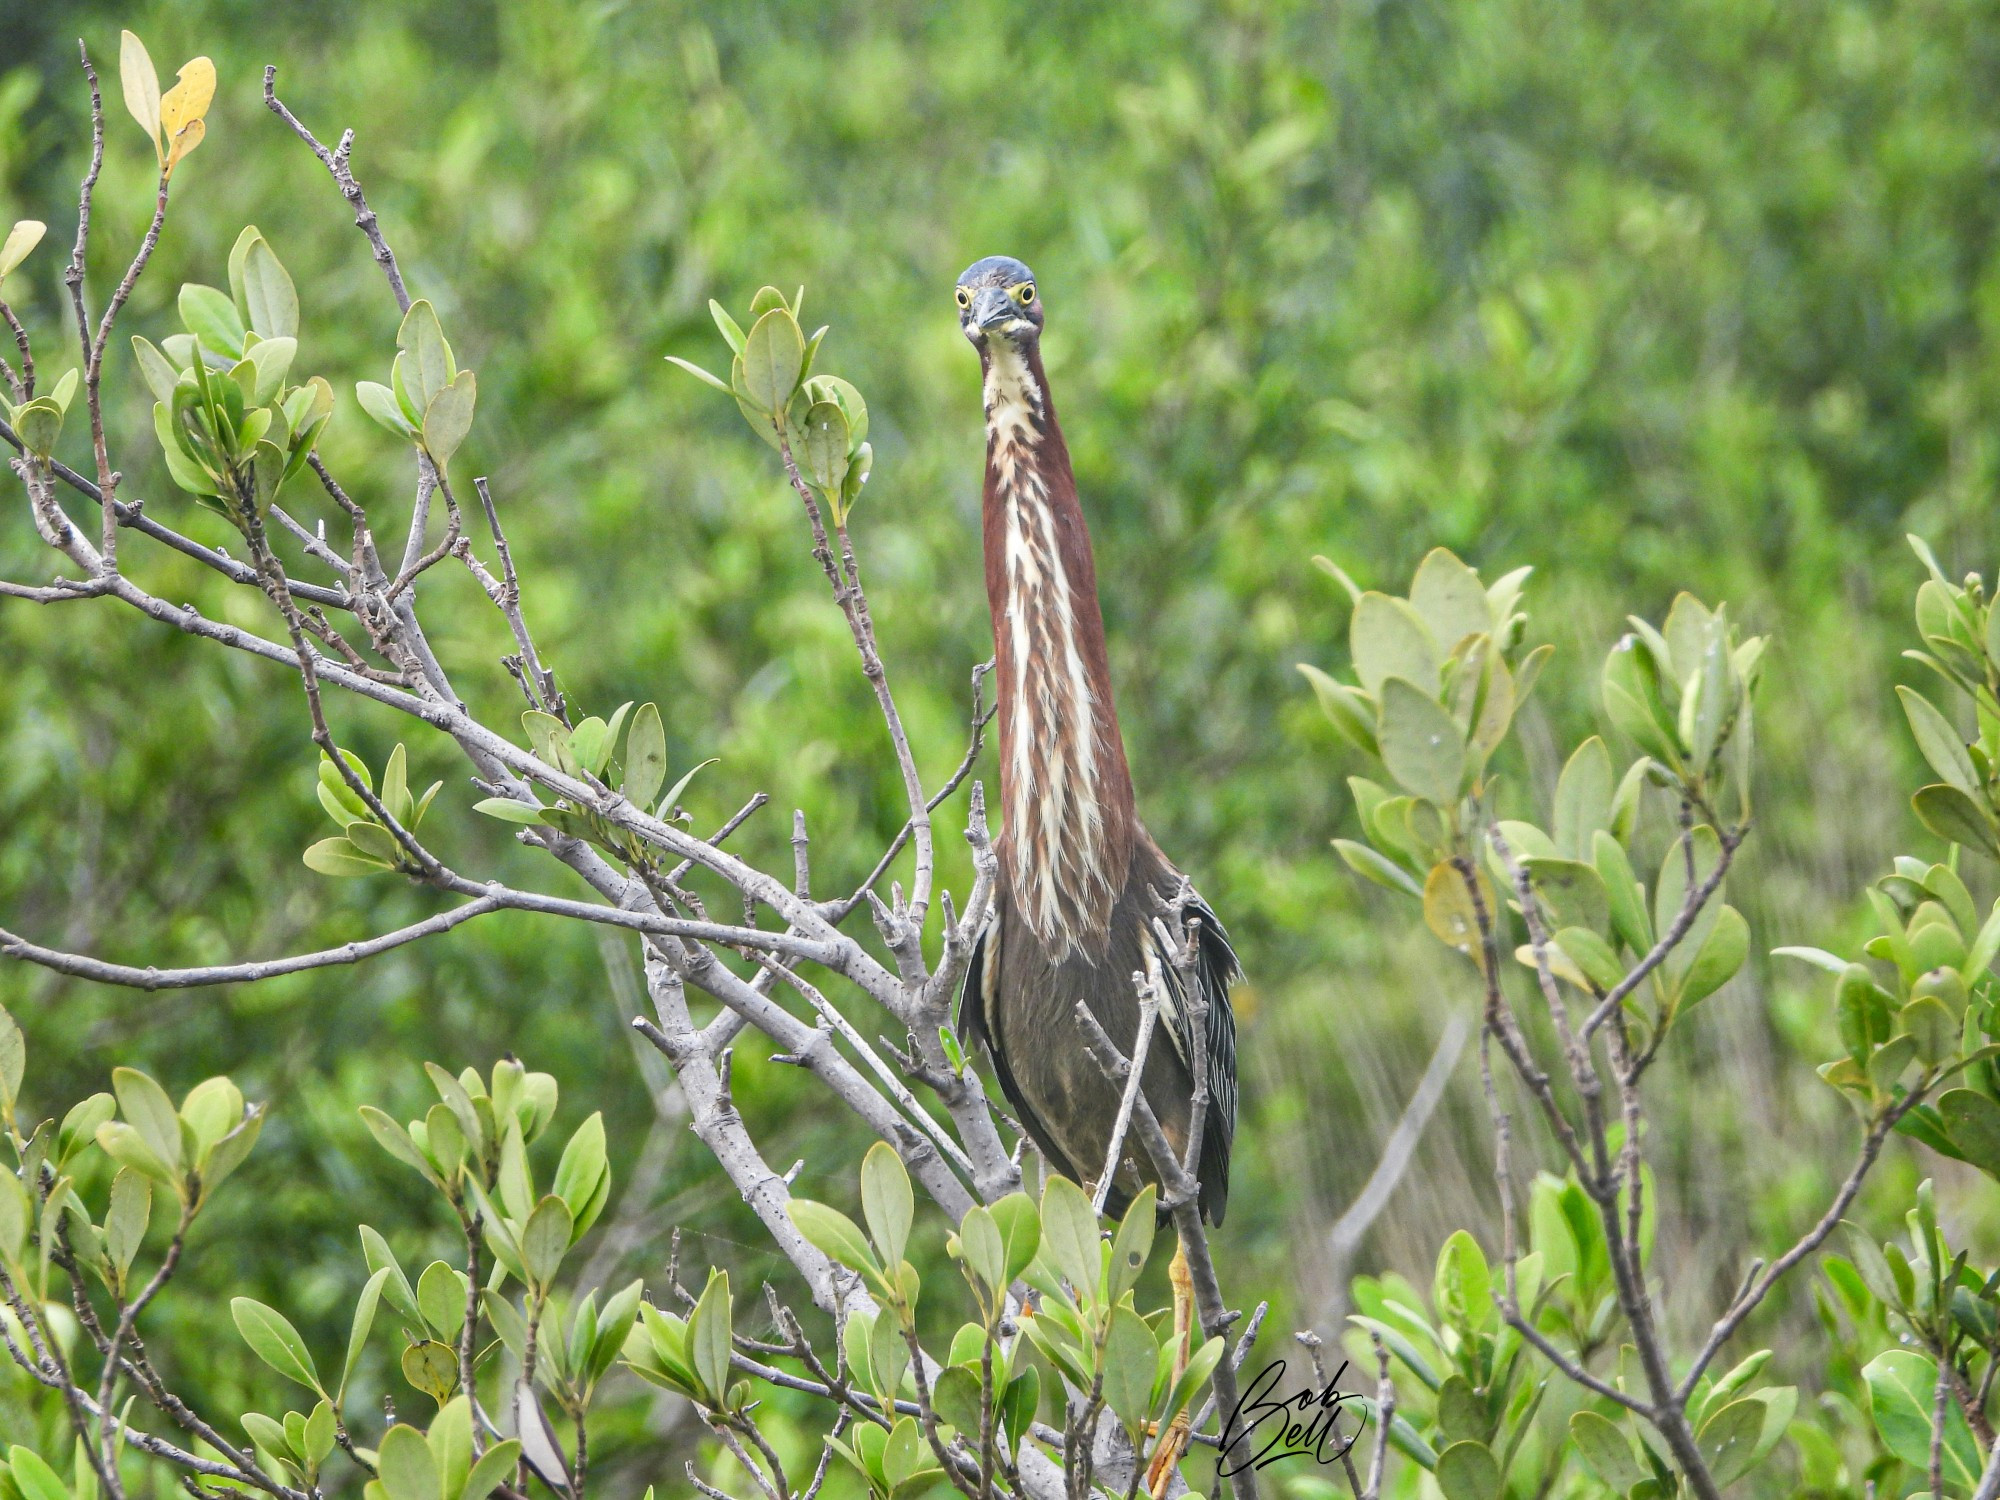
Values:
[(1160, 1473), (1168, 1453)]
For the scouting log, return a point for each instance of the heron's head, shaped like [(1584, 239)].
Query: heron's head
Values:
[(997, 300)]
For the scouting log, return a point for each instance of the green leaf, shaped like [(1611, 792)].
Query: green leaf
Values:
[(1901, 1391), (730, 332), (581, 1174), (1389, 639), (319, 1435), (376, 1253), (1939, 741), (381, 404), (1347, 710), (212, 1109), (270, 302), (395, 1140), (1020, 1226), (1721, 954), (885, 1353), (1422, 747), (1573, 890), (773, 355), (1674, 885), (1951, 814), (1979, 957), (125, 1221), (1819, 958), (1069, 1235), (1132, 1244), (1468, 1471), (545, 1240), (213, 319), (272, 1339), (340, 857), (1632, 699), (980, 1249), (1583, 799), (1593, 957), (1728, 1439), (488, 1473), (272, 360), (1714, 695), (33, 1477), (613, 1324), (14, 1218), (886, 1201), (645, 757), (364, 1321), (847, 398), (124, 1145), (906, 1456), (150, 1112), (709, 1335), (428, 369), (675, 792), (833, 1234), (38, 424), (1377, 867), (1447, 596), (160, 376), (956, 1395), (507, 810), (14, 1063), (1201, 1367), (448, 417), (826, 444), (441, 1297), (700, 374), (405, 1466), (1463, 1289), (1972, 1120), (1131, 1354), (1024, 1394), (1606, 1449)]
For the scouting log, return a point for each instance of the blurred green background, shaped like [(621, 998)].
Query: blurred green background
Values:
[(1698, 295)]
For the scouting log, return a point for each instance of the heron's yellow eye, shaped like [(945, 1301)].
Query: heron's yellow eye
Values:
[(964, 297), (1025, 293)]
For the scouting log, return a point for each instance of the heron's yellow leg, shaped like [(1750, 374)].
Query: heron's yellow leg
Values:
[(1170, 1447)]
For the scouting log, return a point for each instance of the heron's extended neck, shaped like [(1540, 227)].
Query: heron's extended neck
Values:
[(1065, 791)]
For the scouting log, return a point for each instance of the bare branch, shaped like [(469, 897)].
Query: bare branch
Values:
[(1183, 1193), (1760, 1286), (80, 966), (1348, 1231), (335, 162), (1142, 1041)]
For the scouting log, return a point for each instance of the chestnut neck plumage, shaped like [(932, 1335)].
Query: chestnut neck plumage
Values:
[(1066, 795)]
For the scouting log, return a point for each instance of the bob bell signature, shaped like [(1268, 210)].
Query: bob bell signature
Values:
[(1265, 1427)]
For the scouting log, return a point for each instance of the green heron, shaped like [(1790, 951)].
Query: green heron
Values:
[(1081, 882)]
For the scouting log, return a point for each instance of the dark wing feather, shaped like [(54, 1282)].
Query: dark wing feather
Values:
[(982, 980), (971, 1012), (1215, 970)]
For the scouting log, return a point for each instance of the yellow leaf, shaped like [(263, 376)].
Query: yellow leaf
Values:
[(187, 101), (190, 137), (1560, 964), (1448, 909), (23, 237), (142, 87)]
